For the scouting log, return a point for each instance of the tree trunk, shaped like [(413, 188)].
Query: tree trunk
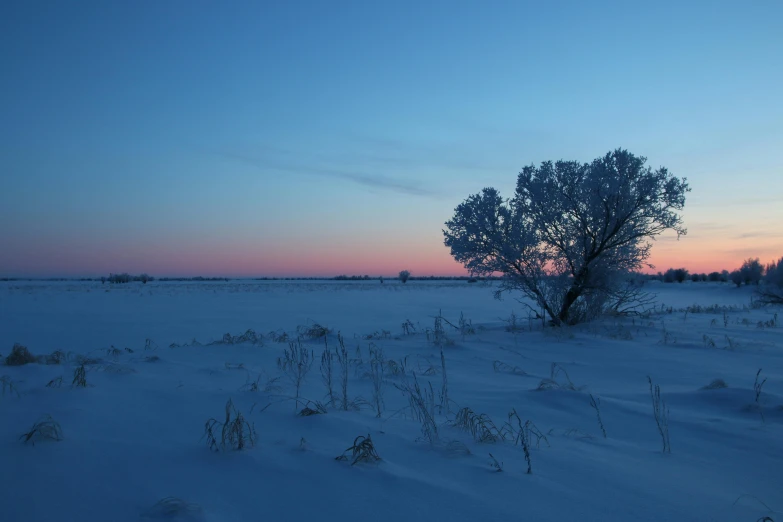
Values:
[(570, 298)]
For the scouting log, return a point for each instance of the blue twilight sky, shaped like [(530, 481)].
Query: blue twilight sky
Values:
[(287, 138)]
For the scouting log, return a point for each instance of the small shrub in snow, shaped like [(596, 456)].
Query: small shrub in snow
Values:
[(44, 429), (362, 450), (404, 276), (57, 382), (236, 433), (661, 414), (313, 331), (172, 508), (20, 356), (56, 357), (716, 384)]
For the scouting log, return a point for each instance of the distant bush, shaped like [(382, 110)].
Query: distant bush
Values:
[(404, 276), (695, 278), (127, 278), (714, 277), (752, 270), (736, 277)]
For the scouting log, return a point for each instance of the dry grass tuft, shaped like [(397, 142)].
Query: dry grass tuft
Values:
[(363, 450), (236, 433), (57, 382), (79, 377), (481, 427), (661, 414), (501, 367), (44, 429), (552, 382), (317, 409), (10, 385)]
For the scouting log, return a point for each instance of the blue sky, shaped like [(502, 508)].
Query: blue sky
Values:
[(287, 138)]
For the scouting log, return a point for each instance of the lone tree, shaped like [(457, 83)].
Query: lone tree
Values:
[(571, 233), (404, 276)]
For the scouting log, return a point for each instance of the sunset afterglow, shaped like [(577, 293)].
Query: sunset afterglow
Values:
[(322, 139)]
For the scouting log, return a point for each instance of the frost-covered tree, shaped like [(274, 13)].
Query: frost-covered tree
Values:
[(772, 290), (751, 271), (404, 276), (571, 231), (736, 277)]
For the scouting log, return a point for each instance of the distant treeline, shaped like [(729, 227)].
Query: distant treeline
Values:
[(144, 278), (196, 278), (752, 272), (412, 278), (127, 278)]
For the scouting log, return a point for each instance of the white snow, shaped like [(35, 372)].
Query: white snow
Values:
[(133, 436)]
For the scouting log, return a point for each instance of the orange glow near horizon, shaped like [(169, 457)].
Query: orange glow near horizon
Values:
[(698, 255)]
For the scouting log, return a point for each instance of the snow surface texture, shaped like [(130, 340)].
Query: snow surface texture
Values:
[(132, 443)]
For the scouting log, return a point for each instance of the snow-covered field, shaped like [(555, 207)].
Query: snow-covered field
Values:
[(158, 368)]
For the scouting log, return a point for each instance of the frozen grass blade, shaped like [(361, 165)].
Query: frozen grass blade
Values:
[(44, 429)]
